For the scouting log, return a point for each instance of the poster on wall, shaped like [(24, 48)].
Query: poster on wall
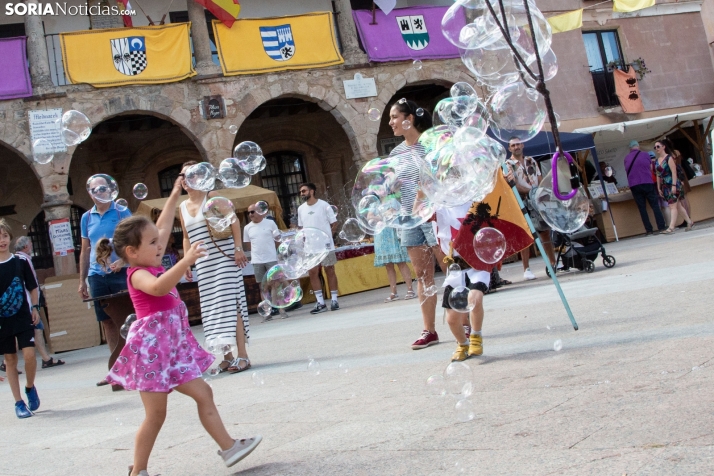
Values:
[(61, 237), (46, 124)]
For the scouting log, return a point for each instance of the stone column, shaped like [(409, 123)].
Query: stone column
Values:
[(37, 51), (56, 210), (348, 34), (201, 41)]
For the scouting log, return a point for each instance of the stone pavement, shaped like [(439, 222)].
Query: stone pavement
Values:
[(629, 393)]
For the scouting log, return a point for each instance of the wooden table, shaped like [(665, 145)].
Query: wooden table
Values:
[(117, 306)]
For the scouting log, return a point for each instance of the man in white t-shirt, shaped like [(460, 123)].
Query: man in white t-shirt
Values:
[(316, 213), (258, 234)]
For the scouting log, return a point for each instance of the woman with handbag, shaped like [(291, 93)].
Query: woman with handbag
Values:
[(224, 309), (669, 185)]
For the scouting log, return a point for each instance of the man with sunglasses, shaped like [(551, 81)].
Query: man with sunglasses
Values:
[(527, 175), (258, 234), (98, 223)]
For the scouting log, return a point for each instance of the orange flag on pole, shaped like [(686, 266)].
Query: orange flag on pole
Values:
[(225, 10), (628, 91)]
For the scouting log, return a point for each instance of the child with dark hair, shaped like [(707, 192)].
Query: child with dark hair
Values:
[(17, 320), (161, 354)]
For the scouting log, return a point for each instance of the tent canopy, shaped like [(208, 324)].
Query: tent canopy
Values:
[(544, 144), (642, 129), (241, 198)]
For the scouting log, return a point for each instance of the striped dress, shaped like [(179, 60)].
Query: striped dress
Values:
[(220, 281)]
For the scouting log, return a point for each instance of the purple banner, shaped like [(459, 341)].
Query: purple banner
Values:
[(14, 74), (404, 34)]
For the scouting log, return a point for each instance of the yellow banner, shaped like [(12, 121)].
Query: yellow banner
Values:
[(120, 56), (263, 45), (567, 21), (625, 6)]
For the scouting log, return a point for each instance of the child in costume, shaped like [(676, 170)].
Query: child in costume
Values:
[(161, 354)]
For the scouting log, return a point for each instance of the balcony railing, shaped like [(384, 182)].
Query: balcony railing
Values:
[(604, 83)]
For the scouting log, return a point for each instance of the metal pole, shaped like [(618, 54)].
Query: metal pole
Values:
[(539, 244)]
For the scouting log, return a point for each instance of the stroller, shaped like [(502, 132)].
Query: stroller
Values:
[(579, 250)]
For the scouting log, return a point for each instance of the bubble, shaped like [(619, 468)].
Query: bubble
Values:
[(103, 188), (487, 63), (233, 129), (118, 421), (277, 236), (220, 213), (465, 98), (456, 375), (465, 410), (262, 208), (550, 65), (265, 309), (24, 227), (246, 150), (417, 64), (140, 191), (489, 245), (313, 366), (42, 151), (351, 231), (75, 127), (436, 385), (121, 204), (232, 174), (220, 346), (343, 368), (276, 287), (258, 378), (517, 111), (124, 330), (558, 345), (334, 209), (608, 171), (430, 290), (204, 253), (419, 112), (402, 101), (374, 114), (406, 124), (252, 164), (305, 250), (201, 176), (459, 300), (454, 269), (565, 216)]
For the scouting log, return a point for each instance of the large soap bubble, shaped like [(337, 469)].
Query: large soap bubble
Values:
[(201, 176), (42, 151), (435, 137), (246, 149), (75, 127), (565, 216), (459, 300), (220, 213), (487, 62), (304, 251), (103, 188), (351, 231), (278, 288), (253, 164), (447, 177), (489, 245), (394, 180), (465, 99), (550, 65), (232, 174), (517, 111)]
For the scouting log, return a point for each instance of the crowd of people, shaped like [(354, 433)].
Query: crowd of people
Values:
[(122, 252)]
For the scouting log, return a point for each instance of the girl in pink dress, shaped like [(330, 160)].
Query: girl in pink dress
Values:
[(161, 354)]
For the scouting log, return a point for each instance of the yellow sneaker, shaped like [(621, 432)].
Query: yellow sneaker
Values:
[(461, 353), (475, 345)]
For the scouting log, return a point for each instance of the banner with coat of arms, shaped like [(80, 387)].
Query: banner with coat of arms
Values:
[(122, 56), (263, 45), (404, 34)]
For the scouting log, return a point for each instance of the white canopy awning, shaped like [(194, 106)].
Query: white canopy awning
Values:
[(640, 130)]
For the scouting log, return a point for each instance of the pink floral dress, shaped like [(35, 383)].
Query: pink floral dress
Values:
[(161, 352)]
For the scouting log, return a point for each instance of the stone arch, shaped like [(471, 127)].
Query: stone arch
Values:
[(21, 192)]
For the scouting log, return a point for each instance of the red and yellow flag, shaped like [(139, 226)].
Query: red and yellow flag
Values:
[(225, 10)]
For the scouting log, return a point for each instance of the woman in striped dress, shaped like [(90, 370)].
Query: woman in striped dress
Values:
[(224, 309)]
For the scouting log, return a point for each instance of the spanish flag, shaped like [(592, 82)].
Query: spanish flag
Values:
[(226, 11), (264, 45), (122, 56)]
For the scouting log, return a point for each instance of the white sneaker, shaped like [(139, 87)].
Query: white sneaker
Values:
[(528, 275)]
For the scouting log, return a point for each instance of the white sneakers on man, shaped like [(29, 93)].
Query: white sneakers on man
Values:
[(528, 275)]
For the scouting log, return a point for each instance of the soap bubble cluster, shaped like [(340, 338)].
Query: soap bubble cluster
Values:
[(220, 213), (201, 176)]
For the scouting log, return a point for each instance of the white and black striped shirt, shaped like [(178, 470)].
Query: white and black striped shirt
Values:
[(410, 158)]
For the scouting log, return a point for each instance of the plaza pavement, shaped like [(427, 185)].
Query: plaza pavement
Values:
[(629, 393)]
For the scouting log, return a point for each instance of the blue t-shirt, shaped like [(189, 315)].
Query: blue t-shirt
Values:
[(95, 227)]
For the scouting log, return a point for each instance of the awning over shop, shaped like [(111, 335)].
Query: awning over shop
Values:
[(241, 198), (642, 129)]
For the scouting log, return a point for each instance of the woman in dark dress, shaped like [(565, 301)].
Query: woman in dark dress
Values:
[(669, 185)]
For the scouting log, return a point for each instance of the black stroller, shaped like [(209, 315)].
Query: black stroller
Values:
[(579, 250)]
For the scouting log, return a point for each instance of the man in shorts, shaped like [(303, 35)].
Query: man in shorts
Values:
[(98, 223), (316, 213), (526, 173), (18, 318)]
